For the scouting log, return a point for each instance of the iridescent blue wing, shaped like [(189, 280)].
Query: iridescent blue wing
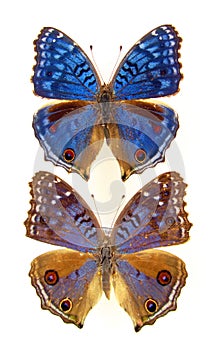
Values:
[(62, 70), (147, 284), (151, 68), (59, 216), (154, 217), (68, 283), (70, 135), (140, 134)]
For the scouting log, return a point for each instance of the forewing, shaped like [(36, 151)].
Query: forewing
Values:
[(151, 68), (154, 217), (62, 70), (59, 216)]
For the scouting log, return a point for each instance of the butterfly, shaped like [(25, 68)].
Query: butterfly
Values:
[(146, 281), (138, 131)]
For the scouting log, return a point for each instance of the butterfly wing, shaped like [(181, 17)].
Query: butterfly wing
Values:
[(140, 134), (147, 284), (154, 217), (59, 216), (151, 68), (67, 283), (62, 70), (70, 135)]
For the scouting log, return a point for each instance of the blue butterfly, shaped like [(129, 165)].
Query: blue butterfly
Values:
[(146, 281), (137, 131)]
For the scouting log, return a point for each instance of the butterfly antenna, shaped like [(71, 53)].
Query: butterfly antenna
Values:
[(95, 64), (116, 64), (119, 206), (97, 211)]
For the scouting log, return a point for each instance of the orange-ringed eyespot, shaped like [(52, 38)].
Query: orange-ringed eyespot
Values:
[(151, 305), (51, 277), (140, 155), (164, 277), (65, 305), (68, 155)]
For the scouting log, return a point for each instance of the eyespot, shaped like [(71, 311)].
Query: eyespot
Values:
[(170, 221), (156, 128), (68, 155), (151, 305), (51, 277), (164, 277), (140, 155), (163, 72), (65, 305), (42, 220), (34, 230), (49, 74)]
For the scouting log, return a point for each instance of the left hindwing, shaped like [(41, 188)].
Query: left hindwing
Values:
[(67, 283), (70, 135)]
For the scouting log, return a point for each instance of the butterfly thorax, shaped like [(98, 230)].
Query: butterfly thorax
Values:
[(106, 259), (105, 94)]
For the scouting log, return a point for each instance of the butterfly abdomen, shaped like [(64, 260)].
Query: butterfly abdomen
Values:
[(106, 257)]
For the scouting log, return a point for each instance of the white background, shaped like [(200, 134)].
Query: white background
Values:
[(106, 25)]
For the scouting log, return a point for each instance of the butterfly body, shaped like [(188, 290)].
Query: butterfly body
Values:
[(146, 281), (63, 71)]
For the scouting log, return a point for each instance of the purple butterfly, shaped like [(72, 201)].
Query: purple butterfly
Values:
[(146, 281)]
